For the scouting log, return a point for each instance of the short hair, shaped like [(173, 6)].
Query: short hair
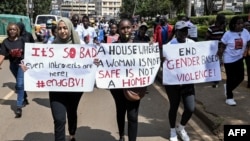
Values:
[(75, 16), (220, 19), (85, 17), (233, 22)]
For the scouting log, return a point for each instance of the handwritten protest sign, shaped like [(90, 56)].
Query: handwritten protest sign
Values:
[(59, 67), (127, 65), (191, 63)]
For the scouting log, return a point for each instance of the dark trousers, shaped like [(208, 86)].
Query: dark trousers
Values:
[(175, 93), (235, 75), (62, 104), (247, 60), (132, 108)]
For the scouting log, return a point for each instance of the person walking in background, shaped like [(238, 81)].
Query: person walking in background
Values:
[(175, 93), (215, 32), (27, 36), (162, 32), (234, 45), (75, 19), (88, 31), (123, 105), (192, 32), (13, 47), (53, 34), (141, 35), (113, 34), (247, 56)]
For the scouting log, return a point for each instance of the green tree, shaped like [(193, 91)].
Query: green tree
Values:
[(17, 7), (41, 7)]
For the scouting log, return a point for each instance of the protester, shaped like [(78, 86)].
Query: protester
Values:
[(88, 31), (215, 32), (175, 93), (141, 35), (63, 103), (247, 56), (75, 19), (100, 34), (27, 36), (53, 36), (234, 43), (113, 34), (123, 105), (162, 32), (192, 32), (13, 48)]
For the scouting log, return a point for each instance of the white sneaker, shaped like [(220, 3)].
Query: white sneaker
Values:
[(230, 102), (225, 90), (173, 136), (183, 134)]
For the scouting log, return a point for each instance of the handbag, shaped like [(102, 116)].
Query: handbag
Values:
[(135, 94)]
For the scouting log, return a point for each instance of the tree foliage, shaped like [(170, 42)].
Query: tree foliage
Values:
[(145, 8), (17, 7)]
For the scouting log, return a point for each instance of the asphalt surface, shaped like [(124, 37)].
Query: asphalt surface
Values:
[(214, 112)]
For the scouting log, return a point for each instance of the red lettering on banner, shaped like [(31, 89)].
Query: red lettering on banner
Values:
[(196, 75), (109, 73), (88, 52), (70, 82), (182, 62), (141, 81), (42, 52)]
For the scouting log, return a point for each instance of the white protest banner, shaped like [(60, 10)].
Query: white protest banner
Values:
[(59, 67), (191, 63), (127, 65)]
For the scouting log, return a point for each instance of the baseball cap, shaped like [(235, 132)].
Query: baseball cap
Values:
[(144, 25), (181, 25)]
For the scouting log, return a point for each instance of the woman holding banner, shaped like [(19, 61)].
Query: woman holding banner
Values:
[(175, 93), (123, 103), (63, 103)]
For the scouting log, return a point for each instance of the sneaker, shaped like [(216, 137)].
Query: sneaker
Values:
[(230, 102), (183, 134), (173, 136), (225, 90), (215, 85), (18, 112)]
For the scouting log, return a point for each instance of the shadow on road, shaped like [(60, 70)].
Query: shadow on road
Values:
[(42, 101), (10, 85), (11, 103)]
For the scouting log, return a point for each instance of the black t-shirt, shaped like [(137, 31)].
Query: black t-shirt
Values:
[(13, 49)]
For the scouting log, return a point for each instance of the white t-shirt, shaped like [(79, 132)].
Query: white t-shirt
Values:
[(79, 30), (236, 43), (174, 41), (90, 31)]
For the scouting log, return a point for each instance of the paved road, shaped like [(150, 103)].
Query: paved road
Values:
[(96, 116)]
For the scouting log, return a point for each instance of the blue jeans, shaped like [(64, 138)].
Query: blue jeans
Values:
[(19, 76)]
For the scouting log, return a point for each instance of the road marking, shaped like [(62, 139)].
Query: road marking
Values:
[(7, 96), (192, 123)]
